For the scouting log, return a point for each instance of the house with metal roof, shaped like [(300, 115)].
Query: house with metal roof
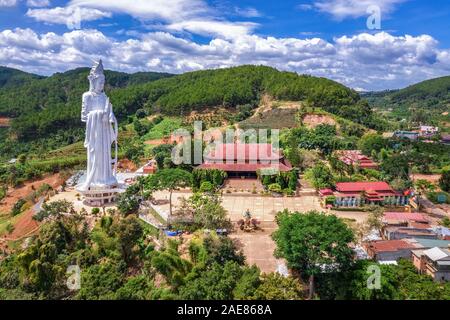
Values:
[(442, 232), (434, 262), (389, 250)]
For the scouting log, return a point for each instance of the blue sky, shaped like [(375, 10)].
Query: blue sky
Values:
[(328, 38)]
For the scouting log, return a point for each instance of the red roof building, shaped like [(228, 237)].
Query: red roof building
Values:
[(401, 218), (355, 194), (239, 159), (389, 250), (356, 158)]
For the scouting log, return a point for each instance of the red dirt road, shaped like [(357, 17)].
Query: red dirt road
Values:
[(25, 224)]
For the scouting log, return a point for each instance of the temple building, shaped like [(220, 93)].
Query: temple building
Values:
[(356, 194), (356, 158), (244, 160)]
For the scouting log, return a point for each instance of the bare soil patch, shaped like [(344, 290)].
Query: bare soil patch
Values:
[(314, 120), (126, 165), (433, 178), (24, 224), (14, 194), (5, 122)]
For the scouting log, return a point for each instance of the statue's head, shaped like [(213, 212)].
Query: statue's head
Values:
[(97, 78)]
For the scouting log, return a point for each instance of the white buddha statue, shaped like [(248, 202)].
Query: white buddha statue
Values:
[(101, 133)]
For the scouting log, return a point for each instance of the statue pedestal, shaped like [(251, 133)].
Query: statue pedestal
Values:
[(101, 196)]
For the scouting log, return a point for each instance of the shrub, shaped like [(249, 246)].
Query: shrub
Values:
[(214, 176), (445, 222), (330, 200), (140, 113), (206, 187), (17, 208), (10, 228), (275, 187), (95, 211)]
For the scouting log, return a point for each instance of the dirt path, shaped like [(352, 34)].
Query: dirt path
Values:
[(14, 194), (24, 223)]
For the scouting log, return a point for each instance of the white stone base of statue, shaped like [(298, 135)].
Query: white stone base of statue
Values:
[(101, 196)]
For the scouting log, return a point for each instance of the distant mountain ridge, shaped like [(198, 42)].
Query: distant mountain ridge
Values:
[(430, 93), (427, 102), (10, 77)]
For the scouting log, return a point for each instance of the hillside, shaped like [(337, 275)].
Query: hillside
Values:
[(46, 111), (10, 78), (424, 102)]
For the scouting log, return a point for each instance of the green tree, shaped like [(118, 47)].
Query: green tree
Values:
[(313, 243), (208, 211), (215, 283), (169, 179), (371, 142), (100, 281), (128, 231), (375, 218), (320, 176), (54, 209), (128, 203), (276, 287), (136, 288)]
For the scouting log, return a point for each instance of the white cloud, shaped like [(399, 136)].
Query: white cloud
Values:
[(8, 3), (377, 61), (247, 12), (38, 3), (305, 7), (192, 16), (167, 10), (66, 15), (341, 9), (228, 30)]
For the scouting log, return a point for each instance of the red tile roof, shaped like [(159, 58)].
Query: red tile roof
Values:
[(390, 245), (243, 152), (404, 216), (363, 186), (355, 157), (418, 225), (245, 167), (326, 192)]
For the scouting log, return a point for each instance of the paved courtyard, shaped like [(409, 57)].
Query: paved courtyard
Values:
[(263, 208), (258, 247)]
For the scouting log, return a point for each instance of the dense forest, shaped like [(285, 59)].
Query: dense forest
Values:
[(40, 106), (426, 102)]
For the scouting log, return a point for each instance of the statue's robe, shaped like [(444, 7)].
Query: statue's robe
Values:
[(100, 135)]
